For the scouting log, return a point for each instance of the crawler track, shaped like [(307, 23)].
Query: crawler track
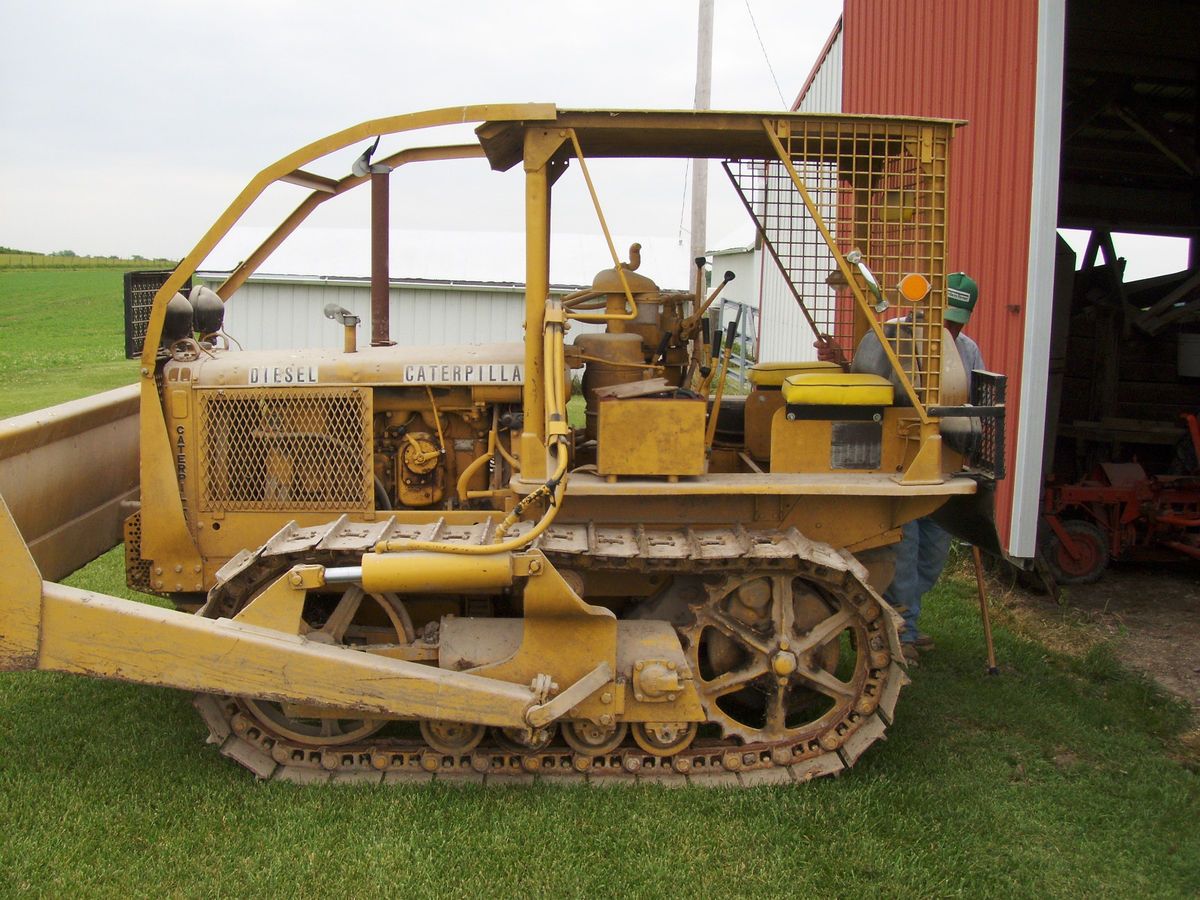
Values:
[(727, 753)]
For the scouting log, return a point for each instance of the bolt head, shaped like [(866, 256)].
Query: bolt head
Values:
[(784, 663)]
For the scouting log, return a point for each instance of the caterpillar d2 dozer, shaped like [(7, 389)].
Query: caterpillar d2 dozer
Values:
[(395, 563)]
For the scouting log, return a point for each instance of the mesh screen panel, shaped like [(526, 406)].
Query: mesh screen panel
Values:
[(877, 186), (990, 389), (279, 449), (140, 288)]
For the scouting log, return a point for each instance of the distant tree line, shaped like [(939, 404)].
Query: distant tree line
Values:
[(11, 258)]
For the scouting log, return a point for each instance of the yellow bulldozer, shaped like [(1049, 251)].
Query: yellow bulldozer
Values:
[(397, 564)]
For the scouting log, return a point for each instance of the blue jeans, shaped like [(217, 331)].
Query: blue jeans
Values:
[(920, 558)]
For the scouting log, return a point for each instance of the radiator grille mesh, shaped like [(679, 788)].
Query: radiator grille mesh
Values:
[(280, 450)]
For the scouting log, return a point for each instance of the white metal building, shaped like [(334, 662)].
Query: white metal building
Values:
[(462, 291), (277, 312)]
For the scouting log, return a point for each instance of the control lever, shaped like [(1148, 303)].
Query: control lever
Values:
[(730, 333)]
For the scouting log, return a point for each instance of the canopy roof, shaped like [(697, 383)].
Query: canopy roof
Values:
[(690, 133)]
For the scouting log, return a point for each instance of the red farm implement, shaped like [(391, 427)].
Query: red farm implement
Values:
[(1121, 512)]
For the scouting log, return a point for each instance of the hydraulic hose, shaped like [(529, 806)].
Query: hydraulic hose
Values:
[(557, 431), (553, 489), (475, 466)]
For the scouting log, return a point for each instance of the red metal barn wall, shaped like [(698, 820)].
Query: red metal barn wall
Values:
[(973, 60)]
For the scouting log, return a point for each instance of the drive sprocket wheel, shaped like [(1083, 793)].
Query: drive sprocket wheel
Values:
[(780, 658)]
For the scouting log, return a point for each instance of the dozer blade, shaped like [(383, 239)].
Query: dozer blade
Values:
[(20, 598), (44, 625), (69, 474)]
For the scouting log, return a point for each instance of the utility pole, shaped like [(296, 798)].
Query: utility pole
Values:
[(704, 42)]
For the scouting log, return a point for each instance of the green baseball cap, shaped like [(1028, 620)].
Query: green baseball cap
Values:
[(961, 295)]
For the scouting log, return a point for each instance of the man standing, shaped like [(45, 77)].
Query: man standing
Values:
[(924, 545)]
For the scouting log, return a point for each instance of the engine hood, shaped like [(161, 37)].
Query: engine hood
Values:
[(466, 364)]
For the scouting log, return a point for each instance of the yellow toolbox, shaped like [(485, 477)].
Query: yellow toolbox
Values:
[(651, 436)]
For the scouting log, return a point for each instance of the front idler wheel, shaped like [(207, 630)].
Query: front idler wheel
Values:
[(340, 616)]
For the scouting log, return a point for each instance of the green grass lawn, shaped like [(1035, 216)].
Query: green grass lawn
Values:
[(1052, 779), (1061, 777), (62, 336)]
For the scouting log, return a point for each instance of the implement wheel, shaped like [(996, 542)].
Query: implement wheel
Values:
[(1091, 556)]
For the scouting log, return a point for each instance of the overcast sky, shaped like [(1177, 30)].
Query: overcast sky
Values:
[(128, 126)]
